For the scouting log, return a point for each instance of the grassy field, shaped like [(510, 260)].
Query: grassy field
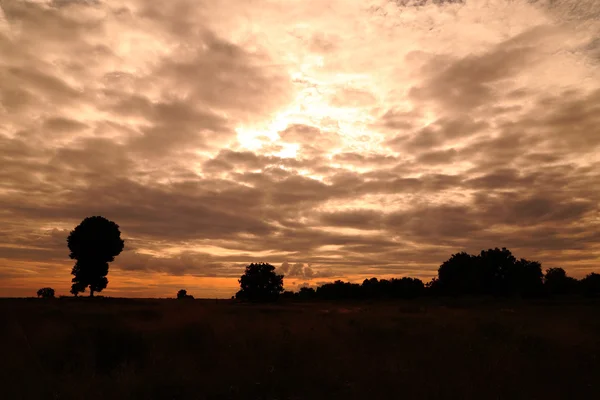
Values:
[(168, 349)]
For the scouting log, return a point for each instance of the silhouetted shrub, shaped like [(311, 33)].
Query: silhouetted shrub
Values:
[(260, 283), (182, 295), (45, 293)]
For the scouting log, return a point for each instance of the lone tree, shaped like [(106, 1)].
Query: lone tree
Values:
[(45, 293), (94, 243), (260, 283), (182, 295)]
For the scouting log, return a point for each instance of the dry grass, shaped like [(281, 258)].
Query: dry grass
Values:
[(166, 349)]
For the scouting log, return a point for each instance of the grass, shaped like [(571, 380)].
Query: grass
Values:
[(168, 349)]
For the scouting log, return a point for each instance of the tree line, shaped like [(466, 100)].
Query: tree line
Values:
[(493, 272), (96, 241)]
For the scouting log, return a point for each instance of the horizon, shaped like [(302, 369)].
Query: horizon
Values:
[(354, 140)]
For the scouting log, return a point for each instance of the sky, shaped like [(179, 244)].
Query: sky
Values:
[(334, 139)]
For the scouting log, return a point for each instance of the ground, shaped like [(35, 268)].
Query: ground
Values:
[(201, 349)]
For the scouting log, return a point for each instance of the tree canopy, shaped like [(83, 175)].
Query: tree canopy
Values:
[(494, 271), (45, 293), (94, 243), (182, 295), (260, 283)]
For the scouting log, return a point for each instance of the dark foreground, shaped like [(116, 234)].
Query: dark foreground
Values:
[(168, 349)]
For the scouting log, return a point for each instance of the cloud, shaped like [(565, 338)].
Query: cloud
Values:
[(301, 271)]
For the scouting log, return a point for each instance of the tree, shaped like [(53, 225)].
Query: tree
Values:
[(94, 243), (406, 288), (182, 295), (340, 290), (260, 283), (526, 278), (306, 293), (497, 269), (556, 282), (460, 274), (45, 293), (590, 285), (494, 271)]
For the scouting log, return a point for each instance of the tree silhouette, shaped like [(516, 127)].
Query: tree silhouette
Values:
[(460, 274), (94, 243), (526, 278), (45, 293), (306, 293), (405, 288), (556, 282), (590, 285), (182, 295), (340, 290), (498, 269), (494, 271), (260, 283)]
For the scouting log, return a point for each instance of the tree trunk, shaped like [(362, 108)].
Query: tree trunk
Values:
[(91, 292)]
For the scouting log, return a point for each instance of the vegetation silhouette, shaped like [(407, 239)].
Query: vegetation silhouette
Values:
[(556, 282), (94, 243), (182, 295), (590, 285), (45, 293), (260, 283), (402, 288), (493, 272)]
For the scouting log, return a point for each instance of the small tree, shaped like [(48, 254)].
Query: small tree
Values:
[(45, 293), (260, 283), (182, 295), (94, 243)]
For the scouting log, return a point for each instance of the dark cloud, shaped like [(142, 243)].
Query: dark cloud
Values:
[(63, 125), (364, 159), (186, 263), (227, 77), (438, 133), (398, 120), (438, 157), (360, 219), (465, 84)]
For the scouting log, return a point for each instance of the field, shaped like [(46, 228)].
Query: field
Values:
[(201, 349)]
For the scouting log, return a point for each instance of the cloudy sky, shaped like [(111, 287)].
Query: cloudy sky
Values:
[(336, 140)]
